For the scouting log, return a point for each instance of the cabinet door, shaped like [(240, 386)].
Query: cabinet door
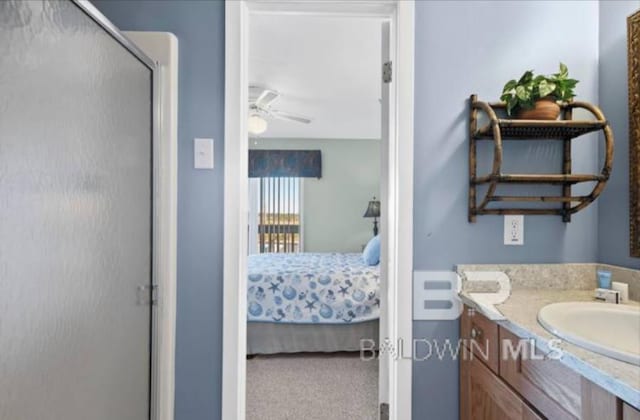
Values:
[(480, 335), (599, 404), (488, 398), (547, 384), (629, 413), (464, 385)]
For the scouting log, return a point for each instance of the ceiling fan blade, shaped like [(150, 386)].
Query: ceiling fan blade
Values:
[(281, 115), (266, 98)]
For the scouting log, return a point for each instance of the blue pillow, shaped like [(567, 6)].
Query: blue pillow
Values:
[(371, 253)]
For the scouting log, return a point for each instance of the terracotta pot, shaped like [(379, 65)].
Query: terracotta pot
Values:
[(544, 109)]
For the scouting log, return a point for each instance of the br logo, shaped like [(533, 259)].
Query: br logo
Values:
[(436, 293)]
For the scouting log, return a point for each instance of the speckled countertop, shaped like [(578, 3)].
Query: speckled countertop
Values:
[(521, 310)]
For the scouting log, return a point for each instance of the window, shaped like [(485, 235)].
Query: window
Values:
[(275, 215)]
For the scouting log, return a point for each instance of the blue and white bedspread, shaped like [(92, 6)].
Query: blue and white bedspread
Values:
[(308, 288)]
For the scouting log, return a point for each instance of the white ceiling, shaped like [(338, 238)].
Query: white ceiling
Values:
[(325, 67)]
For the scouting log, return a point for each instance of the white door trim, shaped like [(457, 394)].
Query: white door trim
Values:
[(401, 171), (162, 48), (400, 215), (236, 146)]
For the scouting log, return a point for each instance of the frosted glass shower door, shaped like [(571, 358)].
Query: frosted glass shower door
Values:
[(75, 218)]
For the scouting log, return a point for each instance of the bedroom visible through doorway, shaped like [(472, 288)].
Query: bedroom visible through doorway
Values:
[(315, 122)]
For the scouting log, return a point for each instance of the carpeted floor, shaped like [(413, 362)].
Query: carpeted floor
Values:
[(312, 387)]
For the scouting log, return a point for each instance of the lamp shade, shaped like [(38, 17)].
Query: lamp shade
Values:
[(256, 124), (373, 209)]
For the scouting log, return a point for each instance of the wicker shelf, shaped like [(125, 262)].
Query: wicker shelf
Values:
[(538, 179), (540, 130), (565, 130)]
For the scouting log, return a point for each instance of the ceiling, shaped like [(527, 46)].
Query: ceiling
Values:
[(325, 67)]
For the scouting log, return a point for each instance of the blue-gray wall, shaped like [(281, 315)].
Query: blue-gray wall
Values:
[(199, 26), (475, 47), (613, 229), (461, 48)]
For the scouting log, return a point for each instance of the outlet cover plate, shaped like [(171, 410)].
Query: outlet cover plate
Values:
[(514, 230)]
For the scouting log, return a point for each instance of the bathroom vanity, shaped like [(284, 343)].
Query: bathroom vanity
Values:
[(494, 385), (512, 368)]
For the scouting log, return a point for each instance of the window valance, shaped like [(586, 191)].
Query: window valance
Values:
[(285, 163)]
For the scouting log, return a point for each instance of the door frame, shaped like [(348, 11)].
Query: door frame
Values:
[(164, 139), (399, 214), (162, 47)]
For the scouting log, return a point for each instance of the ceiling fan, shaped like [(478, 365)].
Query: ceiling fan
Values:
[(260, 101)]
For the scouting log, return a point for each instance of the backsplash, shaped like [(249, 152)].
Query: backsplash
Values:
[(553, 276)]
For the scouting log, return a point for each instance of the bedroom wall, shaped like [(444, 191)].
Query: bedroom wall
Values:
[(613, 226), (199, 26), (475, 47), (461, 48), (333, 205)]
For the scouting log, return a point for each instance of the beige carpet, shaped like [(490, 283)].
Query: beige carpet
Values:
[(312, 387)]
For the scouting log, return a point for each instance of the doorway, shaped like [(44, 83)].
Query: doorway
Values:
[(315, 151), (397, 189)]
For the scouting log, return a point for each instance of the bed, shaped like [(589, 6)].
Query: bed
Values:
[(311, 302)]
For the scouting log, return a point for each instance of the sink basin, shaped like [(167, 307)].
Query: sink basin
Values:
[(605, 328)]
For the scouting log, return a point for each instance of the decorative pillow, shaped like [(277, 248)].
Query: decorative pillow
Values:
[(371, 253)]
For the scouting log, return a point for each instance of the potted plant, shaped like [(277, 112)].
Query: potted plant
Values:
[(535, 97)]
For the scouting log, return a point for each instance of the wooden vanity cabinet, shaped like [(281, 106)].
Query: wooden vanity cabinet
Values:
[(485, 396), (499, 382), (629, 413), (480, 335), (551, 387)]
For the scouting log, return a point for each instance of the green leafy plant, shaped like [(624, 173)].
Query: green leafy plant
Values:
[(524, 92)]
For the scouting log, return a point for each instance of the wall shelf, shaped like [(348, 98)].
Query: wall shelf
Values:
[(565, 130), (542, 130)]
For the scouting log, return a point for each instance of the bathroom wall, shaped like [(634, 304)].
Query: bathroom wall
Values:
[(613, 206), (475, 47), (461, 48), (199, 26), (334, 204)]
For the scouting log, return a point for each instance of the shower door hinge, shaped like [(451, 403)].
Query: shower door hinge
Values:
[(147, 294), (387, 72), (384, 411)]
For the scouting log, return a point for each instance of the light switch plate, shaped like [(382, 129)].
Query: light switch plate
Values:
[(203, 153), (514, 230)]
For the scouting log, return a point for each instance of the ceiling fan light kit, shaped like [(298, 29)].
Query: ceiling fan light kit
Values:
[(260, 107), (256, 124)]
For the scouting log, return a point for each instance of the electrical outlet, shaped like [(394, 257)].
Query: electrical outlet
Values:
[(514, 230)]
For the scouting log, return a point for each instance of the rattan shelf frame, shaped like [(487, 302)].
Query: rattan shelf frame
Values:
[(565, 130)]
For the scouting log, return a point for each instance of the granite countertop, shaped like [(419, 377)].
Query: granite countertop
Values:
[(520, 312)]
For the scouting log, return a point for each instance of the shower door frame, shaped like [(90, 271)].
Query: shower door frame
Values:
[(163, 277)]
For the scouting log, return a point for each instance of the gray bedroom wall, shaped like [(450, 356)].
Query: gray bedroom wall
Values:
[(333, 205), (475, 47), (199, 26), (461, 48), (613, 207)]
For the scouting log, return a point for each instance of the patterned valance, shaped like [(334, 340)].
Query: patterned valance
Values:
[(285, 163)]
